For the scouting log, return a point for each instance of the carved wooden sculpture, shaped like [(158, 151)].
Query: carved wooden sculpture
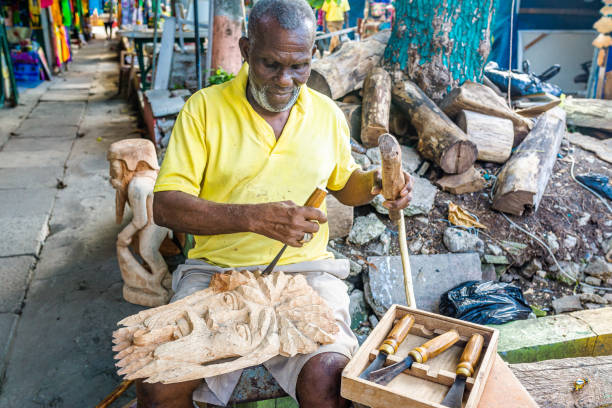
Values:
[(243, 319), (133, 171)]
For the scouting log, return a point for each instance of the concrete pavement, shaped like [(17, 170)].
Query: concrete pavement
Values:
[(61, 293)]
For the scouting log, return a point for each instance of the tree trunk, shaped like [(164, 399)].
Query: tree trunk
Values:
[(227, 30), (440, 44), (523, 179), (352, 113), (344, 71), (482, 99), (440, 140), (376, 106), (589, 113), (492, 136)]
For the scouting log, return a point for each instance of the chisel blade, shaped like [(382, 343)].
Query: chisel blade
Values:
[(385, 375), (455, 394), (374, 365)]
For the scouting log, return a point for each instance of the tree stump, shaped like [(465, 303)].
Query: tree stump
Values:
[(440, 44), (492, 136), (344, 71), (440, 140), (523, 179), (376, 106)]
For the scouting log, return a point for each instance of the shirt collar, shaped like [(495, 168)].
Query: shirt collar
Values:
[(239, 86)]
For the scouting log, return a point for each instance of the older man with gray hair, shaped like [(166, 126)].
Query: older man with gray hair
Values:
[(241, 155)]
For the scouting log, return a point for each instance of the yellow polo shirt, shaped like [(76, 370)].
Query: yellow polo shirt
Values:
[(221, 150), (334, 11)]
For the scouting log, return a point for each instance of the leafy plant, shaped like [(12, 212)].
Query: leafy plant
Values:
[(220, 76)]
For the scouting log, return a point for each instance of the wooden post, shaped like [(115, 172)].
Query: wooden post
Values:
[(492, 136), (227, 30), (482, 99), (440, 140), (344, 71), (523, 179), (376, 106)]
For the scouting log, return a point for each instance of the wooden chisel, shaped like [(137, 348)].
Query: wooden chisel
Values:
[(465, 369), (421, 354), (397, 334), (315, 200)]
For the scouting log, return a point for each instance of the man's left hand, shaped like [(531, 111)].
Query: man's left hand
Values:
[(405, 194)]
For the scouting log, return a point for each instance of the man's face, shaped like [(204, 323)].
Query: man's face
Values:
[(279, 64)]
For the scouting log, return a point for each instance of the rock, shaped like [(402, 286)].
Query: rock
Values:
[(586, 289), (415, 246), (357, 308), (591, 280), (570, 242), (488, 272), (496, 260), (584, 219), (375, 248), (608, 297), (425, 251), (592, 306), (592, 298), (423, 196), (571, 268), (567, 304), (411, 160), (365, 229), (385, 240), (599, 268), (494, 249), (362, 160), (508, 277), (374, 155), (432, 275), (531, 268), (541, 274), (349, 287), (514, 248), (422, 220), (373, 320), (552, 242), (457, 240)]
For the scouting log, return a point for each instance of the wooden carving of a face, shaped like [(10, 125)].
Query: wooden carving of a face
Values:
[(210, 333)]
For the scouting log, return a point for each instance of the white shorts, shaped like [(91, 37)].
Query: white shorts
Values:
[(324, 276)]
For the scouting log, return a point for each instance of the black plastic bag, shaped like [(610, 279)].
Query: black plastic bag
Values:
[(485, 302)]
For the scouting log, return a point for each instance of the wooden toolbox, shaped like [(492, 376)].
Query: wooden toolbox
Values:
[(423, 385)]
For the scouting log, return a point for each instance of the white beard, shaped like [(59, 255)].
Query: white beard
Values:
[(259, 94)]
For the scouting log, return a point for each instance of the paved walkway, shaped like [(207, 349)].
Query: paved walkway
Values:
[(60, 296)]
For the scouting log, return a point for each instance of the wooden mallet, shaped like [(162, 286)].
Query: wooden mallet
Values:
[(393, 181)]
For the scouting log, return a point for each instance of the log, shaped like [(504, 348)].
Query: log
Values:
[(352, 113), (551, 382), (339, 217), (492, 136), (399, 122), (468, 182), (344, 71), (523, 179), (482, 99), (376, 106), (589, 113), (440, 140)]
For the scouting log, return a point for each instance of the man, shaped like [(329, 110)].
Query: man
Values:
[(335, 13), (111, 9), (243, 157)]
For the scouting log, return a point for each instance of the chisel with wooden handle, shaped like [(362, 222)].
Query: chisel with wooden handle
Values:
[(465, 369), (421, 354), (315, 200), (397, 334), (392, 183)]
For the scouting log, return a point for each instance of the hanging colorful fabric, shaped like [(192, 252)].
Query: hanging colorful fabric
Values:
[(45, 3), (34, 7), (66, 13)]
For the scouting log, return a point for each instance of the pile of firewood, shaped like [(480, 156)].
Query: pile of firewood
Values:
[(472, 122)]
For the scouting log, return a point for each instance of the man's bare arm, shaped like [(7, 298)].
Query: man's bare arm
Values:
[(363, 186), (283, 221)]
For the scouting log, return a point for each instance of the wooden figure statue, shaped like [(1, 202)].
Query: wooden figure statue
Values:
[(133, 171), (242, 321)]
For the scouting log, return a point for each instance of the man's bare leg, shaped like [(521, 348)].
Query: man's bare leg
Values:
[(318, 385), (159, 395)]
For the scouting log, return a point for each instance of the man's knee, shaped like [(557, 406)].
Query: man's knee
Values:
[(318, 384), (165, 395)]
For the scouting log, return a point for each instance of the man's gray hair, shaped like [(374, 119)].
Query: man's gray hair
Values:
[(290, 14)]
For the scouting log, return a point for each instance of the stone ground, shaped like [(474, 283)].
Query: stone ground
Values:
[(60, 296)]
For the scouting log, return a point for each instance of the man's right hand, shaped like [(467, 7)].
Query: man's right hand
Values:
[(285, 221)]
